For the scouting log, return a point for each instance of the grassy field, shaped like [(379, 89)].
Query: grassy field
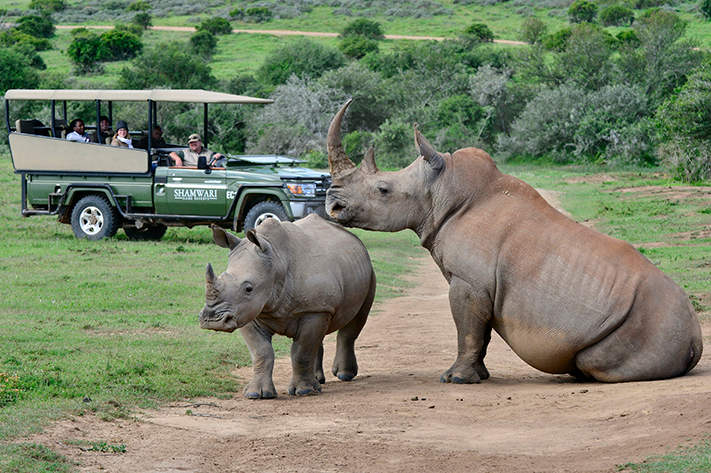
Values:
[(111, 326)]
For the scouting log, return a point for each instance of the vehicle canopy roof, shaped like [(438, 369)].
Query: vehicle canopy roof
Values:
[(156, 95)]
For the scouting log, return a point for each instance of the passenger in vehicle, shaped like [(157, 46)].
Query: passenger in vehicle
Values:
[(122, 138), (189, 156), (156, 139), (78, 133), (100, 135)]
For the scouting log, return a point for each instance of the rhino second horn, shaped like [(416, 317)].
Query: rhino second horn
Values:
[(338, 161), (368, 164)]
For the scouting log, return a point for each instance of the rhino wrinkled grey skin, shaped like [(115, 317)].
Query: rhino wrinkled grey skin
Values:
[(302, 280), (565, 298)]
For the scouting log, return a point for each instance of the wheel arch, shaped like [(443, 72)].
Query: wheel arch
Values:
[(251, 197), (75, 194)]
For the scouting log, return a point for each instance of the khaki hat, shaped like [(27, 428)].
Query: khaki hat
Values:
[(194, 137)]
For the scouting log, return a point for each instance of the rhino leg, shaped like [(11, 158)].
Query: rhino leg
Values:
[(345, 365), (318, 367), (259, 342), (471, 313), (304, 353)]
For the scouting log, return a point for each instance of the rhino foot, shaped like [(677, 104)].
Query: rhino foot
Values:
[(263, 395), (304, 388), (346, 376), (256, 390), (466, 376)]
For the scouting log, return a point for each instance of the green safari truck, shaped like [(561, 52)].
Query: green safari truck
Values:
[(98, 188)]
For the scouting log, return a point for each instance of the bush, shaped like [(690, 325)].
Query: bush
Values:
[(479, 32), (363, 27), (216, 26), (30, 53), (356, 47), (37, 26), (139, 5), (203, 43), (121, 44), (48, 5), (705, 8), (557, 41), (532, 30), (18, 72), (394, 147), (582, 11), (586, 58), (132, 28), (169, 65), (252, 14), (303, 58), (683, 125), (13, 36), (143, 19), (86, 51), (616, 15)]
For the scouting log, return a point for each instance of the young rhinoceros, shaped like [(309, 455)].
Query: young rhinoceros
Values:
[(302, 280)]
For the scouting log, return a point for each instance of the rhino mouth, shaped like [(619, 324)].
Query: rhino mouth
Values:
[(218, 321)]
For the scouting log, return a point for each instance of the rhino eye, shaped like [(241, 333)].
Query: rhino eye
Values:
[(383, 190)]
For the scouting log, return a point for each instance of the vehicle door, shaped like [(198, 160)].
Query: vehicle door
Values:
[(187, 191)]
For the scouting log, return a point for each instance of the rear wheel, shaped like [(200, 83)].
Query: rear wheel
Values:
[(263, 211), (146, 232), (93, 218)]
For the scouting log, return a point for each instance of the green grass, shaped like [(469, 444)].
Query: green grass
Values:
[(696, 459)]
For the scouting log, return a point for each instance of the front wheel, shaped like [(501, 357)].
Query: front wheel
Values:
[(93, 218), (146, 232), (263, 211)]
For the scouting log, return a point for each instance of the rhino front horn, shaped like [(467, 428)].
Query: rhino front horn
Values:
[(338, 161)]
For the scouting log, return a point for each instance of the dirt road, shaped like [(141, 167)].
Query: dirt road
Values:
[(396, 416)]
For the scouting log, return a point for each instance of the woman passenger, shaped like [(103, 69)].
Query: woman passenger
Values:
[(122, 138)]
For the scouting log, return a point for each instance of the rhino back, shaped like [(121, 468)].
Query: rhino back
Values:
[(329, 270)]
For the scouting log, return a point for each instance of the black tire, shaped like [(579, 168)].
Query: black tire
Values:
[(263, 211), (146, 232), (93, 218)]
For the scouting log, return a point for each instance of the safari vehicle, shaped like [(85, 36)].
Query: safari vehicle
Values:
[(98, 188)]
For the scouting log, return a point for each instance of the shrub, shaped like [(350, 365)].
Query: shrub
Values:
[(139, 5), (646, 4), (627, 38), (705, 8), (30, 53), (532, 30), (203, 43), (18, 72), (303, 58), (168, 65), (479, 32), (215, 25), (683, 125), (121, 44), (557, 41), (393, 145), (48, 5), (586, 59), (582, 11), (143, 19), (363, 27), (258, 14), (356, 47), (132, 28), (38, 26), (86, 51), (616, 15), (13, 37)]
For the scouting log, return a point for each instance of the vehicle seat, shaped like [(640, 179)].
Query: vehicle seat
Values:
[(25, 126), (108, 140)]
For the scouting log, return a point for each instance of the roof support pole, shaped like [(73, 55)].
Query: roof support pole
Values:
[(204, 135)]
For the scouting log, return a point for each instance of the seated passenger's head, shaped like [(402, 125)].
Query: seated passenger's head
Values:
[(122, 129), (104, 124), (77, 125), (157, 132), (195, 142)]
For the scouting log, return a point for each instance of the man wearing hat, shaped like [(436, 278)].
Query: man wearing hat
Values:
[(102, 132), (189, 157)]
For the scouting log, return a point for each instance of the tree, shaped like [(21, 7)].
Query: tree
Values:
[(683, 124), (479, 32), (356, 47), (17, 71), (533, 30), (705, 8), (139, 5), (48, 5), (37, 26), (168, 65), (203, 43), (86, 51), (216, 26), (363, 27), (617, 15), (143, 19), (582, 11), (303, 58), (586, 58), (121, 44)]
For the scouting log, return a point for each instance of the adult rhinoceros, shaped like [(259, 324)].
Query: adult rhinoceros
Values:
[(302, 280), (566, 298)]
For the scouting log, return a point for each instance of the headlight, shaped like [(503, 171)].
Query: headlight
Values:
[(302, 189)]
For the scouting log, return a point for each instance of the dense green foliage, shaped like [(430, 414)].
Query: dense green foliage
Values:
[(302, 58), (582, 11), (363, 27), (215, 25)]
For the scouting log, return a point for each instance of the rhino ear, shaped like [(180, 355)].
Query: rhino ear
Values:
[(261, 243), (368, 164), (223, 238), (427, 151)]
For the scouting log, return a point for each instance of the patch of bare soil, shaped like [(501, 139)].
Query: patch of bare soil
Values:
[(669, 192), (395, 416)]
